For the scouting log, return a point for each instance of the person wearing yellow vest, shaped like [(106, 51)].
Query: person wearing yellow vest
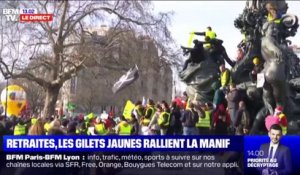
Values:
[(37, 128), (100, 127), (153, 127), (209, 35), (33, 120), (273, 15), (123, 128), (47, 125), (20, 128), (204, 122), (150, 111), (90, 129), (90, 117), (258, 67), (139, 110), (207, 45), (163, 120), (81, 129), (282, 119), (225, 77)]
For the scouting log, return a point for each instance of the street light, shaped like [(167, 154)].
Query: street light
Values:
[(6, 98)]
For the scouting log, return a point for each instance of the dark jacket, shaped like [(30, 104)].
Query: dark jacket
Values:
[(189, 118), (233, 99), (242, 120), (197, 53), (283, 156), (175, 117)]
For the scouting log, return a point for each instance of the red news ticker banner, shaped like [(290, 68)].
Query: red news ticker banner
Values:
[(36, 17)]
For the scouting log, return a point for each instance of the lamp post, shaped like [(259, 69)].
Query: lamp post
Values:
[(6, 96)]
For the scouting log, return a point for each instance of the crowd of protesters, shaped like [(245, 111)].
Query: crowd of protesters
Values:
[(227, 114)]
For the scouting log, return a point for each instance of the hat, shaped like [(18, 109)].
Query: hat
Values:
[(279, 109), (256, 60)]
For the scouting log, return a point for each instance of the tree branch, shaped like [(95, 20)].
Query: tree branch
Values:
[(31, 77)]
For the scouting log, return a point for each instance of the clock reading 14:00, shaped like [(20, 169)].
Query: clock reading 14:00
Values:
[(257, 153)]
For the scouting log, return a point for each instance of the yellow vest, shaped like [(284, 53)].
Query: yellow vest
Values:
[(211, 34), (80, 131), (207, 46), (47, 128), (161, 119), (146, 121), (88, 132), (270, 18), (125, 129), (33, 121), (204, 122), (139, 113), (225, 78), (19, 130), (187, 103), (100, 129)]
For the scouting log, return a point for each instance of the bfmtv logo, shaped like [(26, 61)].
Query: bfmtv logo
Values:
[(26, 15), (11, 14)]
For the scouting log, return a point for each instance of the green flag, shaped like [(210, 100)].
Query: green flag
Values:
[(71, 106)]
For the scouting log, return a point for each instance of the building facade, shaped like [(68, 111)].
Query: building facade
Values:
[(90, 90)]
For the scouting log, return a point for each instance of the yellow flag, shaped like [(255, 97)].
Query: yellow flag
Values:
[(127, 110), (191, 38), (90, 116), (188, 104)]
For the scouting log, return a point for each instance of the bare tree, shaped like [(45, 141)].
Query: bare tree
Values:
[(53, 49)]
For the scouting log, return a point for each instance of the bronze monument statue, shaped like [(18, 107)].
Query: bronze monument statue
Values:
[(265, 27)]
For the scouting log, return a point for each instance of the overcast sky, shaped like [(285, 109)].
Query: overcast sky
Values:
[(220, 15)]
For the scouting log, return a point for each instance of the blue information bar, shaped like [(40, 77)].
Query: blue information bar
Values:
[(121, 143)]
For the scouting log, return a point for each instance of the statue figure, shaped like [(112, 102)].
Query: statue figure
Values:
[(266, 39), (265, 28), (200, 77), (275, 70)]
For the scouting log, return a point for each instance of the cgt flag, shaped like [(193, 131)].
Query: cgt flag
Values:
[(126, 79)]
